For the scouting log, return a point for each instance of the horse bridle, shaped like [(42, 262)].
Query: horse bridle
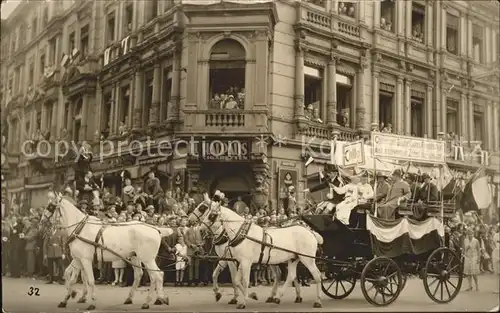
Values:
[(201, 220)]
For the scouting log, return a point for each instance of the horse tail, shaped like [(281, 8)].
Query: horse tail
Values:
[(318, 237), (165, 231)]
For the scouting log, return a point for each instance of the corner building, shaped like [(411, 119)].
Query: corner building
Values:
[(298, 72)]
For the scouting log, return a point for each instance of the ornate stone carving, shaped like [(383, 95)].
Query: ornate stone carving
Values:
[(401, 64), (464, 82), (261, 190), (409, 67), (377, 57), (432, 74)]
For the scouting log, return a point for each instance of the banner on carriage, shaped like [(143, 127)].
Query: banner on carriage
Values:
[(354, 154)]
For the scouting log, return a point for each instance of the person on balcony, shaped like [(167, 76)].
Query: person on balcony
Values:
[(231, 104), (399, 192)]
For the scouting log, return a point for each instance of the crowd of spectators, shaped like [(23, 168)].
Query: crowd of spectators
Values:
[(232, 99)]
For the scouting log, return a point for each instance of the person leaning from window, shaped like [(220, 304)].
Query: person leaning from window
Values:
[(398, 193)]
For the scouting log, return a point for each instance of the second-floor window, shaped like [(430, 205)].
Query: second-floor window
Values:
[(385, 100), (45, 17), (129, 17), (417, 22), (344, 99), (313, 92), (452, 27), (152, 10), (478, 126), (148, 98), (52, 51), (227, 75), (34, 28), (387, 9), (106, 114), (417, 117), (477, 43), (452, 121), (347, 9), (71, 42), (31, 74), (84, 41), (42, 64), (166, 93), (125, 98), (320, 3), (110, 25)]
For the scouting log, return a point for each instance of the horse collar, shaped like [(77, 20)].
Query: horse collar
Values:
[(241, 234), (78, 230), (221, 239)]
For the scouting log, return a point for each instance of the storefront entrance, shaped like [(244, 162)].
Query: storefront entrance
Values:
[(232, 180)]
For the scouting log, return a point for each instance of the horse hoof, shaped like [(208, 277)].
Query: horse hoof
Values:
[(317, 305), (81, 300), (277, 300), (165, 301), (91, 307), (240, 306), (253, 296), (298, 300), (270, 300), (73, 294), (128, 301), (145, 306), (158, 302), (61, 305), (232, 301), (218, 295)]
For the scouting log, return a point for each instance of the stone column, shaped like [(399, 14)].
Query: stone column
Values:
[(470, 117), (376, 14), (328, 6), (130, 113), (43, 125), (469, 36), (462, 112), (429, 118), (490, 129), (398, 127), (443, 28), (444, 110), (375, 98), (360, 92), (408, 19), (85, 117), (154, 112), (429, 17), (299, 82), (331, 112), (69, 122), (407, 107), (173, 106), (138, 99), (496, 124), (114, 109)]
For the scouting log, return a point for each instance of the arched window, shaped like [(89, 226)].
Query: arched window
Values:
[(227, 75)]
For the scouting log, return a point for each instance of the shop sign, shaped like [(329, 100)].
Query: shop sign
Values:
[(224, 150), (287, 177), (389, 146)]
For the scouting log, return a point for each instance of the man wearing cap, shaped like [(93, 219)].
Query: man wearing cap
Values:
[(382, 187), (153, 189), (399, 192), (427, 193)]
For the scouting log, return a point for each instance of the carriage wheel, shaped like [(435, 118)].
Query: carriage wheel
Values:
[(381, 281), (443, 275), (389, 292), (338, 284)]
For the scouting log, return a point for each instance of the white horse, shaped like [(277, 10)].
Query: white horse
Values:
[(135, 240), (221, 240), (291, 244)]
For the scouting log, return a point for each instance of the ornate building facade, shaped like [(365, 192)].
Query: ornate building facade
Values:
[(239, 89)]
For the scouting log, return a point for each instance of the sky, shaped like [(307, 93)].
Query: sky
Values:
[(7, 7)]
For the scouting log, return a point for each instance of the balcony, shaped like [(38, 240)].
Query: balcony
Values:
[(467, 154), (237, 121), (322, 131)]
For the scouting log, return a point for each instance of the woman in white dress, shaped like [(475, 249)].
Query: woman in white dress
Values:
[(350, 201), (180, 258), (472, 257)]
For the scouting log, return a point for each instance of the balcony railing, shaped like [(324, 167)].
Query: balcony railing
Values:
[(322, 131), (222, 120)]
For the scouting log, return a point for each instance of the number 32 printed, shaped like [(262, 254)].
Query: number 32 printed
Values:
[(34, 291)]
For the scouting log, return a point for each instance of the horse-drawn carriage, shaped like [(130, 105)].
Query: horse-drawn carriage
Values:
[(383, 253)]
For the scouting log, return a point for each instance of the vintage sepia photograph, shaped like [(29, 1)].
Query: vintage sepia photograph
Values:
[(250, 155)]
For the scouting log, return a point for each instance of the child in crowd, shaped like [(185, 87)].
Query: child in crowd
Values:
[(119, 265), (181, 256)]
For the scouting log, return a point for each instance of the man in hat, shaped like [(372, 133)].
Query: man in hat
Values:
[(53, 253), (194, 242), (153, 189), (351, 192), (399, 192), (331, 173), (426, 194), (382, 187)]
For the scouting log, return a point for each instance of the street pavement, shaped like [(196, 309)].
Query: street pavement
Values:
[(16, 298)]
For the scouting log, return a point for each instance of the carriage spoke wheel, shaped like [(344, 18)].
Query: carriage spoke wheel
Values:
[(338, 284), (443, 275), (381, 281)]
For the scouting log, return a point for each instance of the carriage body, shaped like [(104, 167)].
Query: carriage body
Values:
[(351, 254)]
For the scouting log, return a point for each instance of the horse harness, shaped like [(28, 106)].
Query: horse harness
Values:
[(242, 234)]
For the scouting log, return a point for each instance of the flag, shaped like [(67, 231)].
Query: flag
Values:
[(333, 146), (309, 161), (476, 195)]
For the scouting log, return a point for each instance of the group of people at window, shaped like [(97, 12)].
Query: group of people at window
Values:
[(232, 99)]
